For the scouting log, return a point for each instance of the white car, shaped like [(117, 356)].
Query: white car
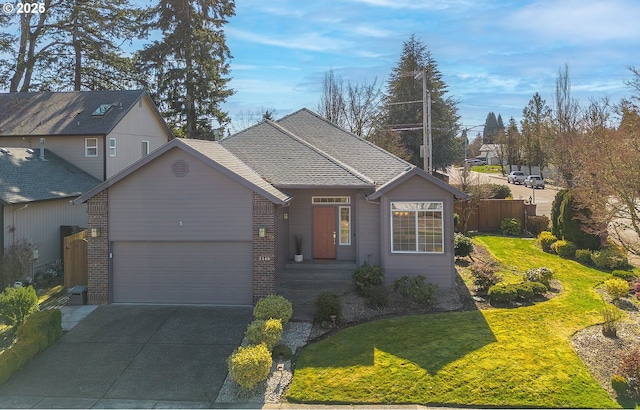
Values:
[(474, 161), (516, 177), (534, 181)]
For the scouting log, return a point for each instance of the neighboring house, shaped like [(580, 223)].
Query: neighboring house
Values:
[(214, 222), (491, 153), (35, 189), (99, 132)]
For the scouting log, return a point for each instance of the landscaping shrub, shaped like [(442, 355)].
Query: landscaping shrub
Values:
[(616, 288), (610, 258), (542, 275), (328, 304), (16, 304), (267, 331), (250, 365), (537, 224), (611, 315), (545, 239), (511, 227), (484, 276), (620, 384), (584, 257), (538, 288), (368, 276), (624, 274), (567, 217), (34, 335), (524, 291), (565, 249), (630, 370), (456, 220), (273, 307), (416, 289), (281, 352), (502, 293), (499, 191), (377, 297), (462, 245)]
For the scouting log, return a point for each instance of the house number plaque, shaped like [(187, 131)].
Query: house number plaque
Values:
[(264, 258)]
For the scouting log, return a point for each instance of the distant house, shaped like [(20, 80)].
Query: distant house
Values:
[(491, 153), (85, 137), (203, 222)]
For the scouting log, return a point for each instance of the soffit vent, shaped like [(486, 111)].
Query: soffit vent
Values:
[(180, 168)]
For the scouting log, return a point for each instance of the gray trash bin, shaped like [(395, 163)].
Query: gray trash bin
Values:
[(78, 296)]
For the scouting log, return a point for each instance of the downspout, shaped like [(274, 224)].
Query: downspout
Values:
[(1, 232), (104, 157)]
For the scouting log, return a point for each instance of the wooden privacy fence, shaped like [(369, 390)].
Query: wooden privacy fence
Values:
[(487, 214), (75, 260)]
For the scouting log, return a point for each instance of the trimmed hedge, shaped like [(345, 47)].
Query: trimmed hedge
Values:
[(34, 335), (268, 332), (565, 249), (16, 304), (368, 276), (584, 257), (624, 274), (250, 365), (545, 239), (511, 227), (462, 245), (273, 307), (537, 224)]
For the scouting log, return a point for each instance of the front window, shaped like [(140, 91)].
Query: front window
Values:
[(90, 147), (345, 225), (417, 227)]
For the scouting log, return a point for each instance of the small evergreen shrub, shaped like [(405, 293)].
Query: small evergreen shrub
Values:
[(583, 256), (416, 289), (542, 275), (538, 288), (545, 239), (281, 352), (368, 276), (524, 291), (484, 276), (273, 307), (620, 384), (537, 224), (616, 288), (462, 245), (327, 304), (456, 220), (16, 304), (511, 227), (377, 297), (624, 274), (502, 293), (250, 365), (499, 191), (610, 258), (267, 331), (630, 370), (565, 249)]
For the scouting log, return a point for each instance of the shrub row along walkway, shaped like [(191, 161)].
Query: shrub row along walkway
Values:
[(500, 357)]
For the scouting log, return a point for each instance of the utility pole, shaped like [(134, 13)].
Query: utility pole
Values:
[(426, 124)]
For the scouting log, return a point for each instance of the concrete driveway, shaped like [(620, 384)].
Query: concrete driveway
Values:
[(133, 357)]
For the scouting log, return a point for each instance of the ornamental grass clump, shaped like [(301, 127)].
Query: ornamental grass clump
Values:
[(250, 365), (273, 307), (611, 316)]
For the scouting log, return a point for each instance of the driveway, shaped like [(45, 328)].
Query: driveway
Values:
[(133, 357)]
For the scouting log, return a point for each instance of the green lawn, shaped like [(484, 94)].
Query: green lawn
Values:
[(487, 169), (501, 357)]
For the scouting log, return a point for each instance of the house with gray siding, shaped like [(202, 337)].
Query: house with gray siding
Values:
[(87, 136), (204, 222)]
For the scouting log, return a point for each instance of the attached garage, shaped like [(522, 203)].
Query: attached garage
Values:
[(182, 273)]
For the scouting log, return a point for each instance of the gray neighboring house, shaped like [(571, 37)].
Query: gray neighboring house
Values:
[(207, 222), (36, 187)]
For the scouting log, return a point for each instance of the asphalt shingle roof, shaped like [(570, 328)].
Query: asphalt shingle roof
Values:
[(286, 160), (65, 113), (24, 177)]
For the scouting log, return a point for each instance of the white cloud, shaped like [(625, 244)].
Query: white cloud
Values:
[(299, 41), (417, 5), (372, 31)]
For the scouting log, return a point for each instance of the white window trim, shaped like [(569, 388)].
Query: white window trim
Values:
[(328, 200), (148, 149), (87, 147), (391, 210), (112, 148), (340, 208)]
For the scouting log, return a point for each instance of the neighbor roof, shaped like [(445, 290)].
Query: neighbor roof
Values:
[(213, 154), (66, 113), (24, 177)]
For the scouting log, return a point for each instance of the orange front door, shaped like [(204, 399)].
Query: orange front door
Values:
[(324, 233)]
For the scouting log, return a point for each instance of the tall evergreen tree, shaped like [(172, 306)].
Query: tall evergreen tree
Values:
[(536, 132), (190, 65), (512, 141), (404, 87), (490, 131)]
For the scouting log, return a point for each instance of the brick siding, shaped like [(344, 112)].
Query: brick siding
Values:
[(98, 249), (265, 256)]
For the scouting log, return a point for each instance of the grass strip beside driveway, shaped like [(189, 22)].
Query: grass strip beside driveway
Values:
[(501, 357)]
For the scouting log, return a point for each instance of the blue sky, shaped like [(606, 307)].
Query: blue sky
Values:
[(494, 55)]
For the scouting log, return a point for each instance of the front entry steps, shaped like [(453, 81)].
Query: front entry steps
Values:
[(301, 283)]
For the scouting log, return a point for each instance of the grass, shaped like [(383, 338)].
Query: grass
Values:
[(487, 169), (501, 357)]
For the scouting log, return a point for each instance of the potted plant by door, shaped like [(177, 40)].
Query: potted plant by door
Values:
[(298, 256)]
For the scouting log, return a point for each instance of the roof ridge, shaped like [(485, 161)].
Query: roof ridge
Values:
[(339, 163)]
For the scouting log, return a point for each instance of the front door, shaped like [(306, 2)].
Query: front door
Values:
[(324, 233)]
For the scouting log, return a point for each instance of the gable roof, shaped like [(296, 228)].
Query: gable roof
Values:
[(288, 161), (66, 113), (211, 153), (416, 172), (24, 177)]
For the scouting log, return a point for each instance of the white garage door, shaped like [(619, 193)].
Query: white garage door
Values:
[(182, 272)]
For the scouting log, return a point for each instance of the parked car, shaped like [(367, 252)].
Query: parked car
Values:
[(474, 161), (516, 177), (534, 181)]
